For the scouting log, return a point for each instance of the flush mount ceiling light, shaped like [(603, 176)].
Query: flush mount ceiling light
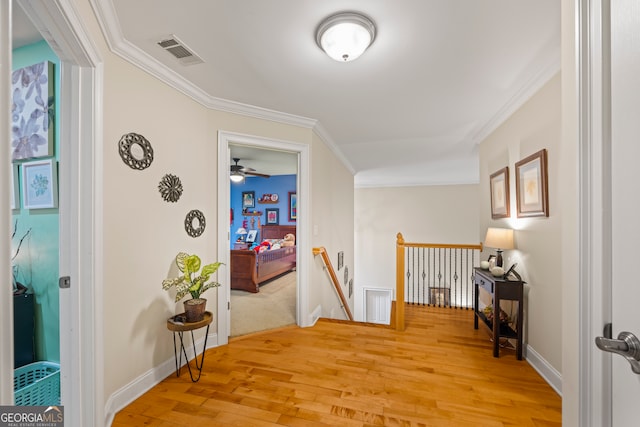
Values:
[(345, 36)]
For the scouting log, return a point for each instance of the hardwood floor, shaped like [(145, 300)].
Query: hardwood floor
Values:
[(438, 372)]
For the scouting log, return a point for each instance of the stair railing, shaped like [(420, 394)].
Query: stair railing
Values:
[(334, 279), (433, 274)]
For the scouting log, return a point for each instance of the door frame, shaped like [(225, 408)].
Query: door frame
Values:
[(81, 73), (6, 298), (594, 148), (303, 248)]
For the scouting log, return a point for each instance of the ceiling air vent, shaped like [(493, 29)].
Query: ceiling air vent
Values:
[(178, 49)]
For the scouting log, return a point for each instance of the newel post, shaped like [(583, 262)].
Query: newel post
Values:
[(399, 318)]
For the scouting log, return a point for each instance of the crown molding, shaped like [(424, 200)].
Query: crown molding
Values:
[(329, 142), (111, 29), (108, 21), (522, 95)]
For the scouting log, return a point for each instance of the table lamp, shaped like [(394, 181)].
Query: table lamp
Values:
[(499, 239), (242, 232)]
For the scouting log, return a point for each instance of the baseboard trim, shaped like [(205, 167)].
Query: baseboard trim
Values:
[(315, 315), (544, 368), (136, 388)]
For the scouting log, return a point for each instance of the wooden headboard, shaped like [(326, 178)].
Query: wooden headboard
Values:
[(277, 231)]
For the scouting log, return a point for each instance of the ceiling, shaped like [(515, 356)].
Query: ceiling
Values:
[(439, 77)]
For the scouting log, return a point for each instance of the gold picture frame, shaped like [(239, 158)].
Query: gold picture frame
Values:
[(532, 188), (499, 184), (439, 296)]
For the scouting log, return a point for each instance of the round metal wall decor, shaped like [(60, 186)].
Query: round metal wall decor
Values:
[(192, 217), (141, 156), (170, 188)]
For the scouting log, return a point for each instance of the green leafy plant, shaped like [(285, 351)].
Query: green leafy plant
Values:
[(191, 282)]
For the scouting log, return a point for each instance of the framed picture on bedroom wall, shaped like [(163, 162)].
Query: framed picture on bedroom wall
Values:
[(251, 236), (273, 216), (293, 206), (248, 199), (499, 184)]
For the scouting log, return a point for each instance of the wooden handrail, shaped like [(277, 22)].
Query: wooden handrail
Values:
[(334, 279), (399, 323)]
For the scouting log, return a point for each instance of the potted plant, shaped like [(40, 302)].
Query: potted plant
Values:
[(192, 282)]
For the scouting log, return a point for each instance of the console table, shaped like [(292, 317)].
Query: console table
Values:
[(499, 289), (180, 327)]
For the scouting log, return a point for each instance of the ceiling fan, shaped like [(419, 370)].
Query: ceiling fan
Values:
[(238, 172)]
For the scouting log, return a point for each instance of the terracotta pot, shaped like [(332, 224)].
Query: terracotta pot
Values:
[(194, 309)]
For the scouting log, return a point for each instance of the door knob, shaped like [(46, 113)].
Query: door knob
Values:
[(627, 345)]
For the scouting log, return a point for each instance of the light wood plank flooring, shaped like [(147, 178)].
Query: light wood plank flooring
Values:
[(439, 372)]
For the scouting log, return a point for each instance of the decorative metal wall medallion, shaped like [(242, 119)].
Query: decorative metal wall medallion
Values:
[(194, 223), (135, 151), (170, 188)]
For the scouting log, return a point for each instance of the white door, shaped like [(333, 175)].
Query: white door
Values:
[(625, 201)]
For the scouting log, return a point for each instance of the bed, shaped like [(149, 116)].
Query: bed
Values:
[(249, 269)]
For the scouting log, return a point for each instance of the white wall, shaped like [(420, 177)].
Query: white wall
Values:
[(143, 233), (332, 211), (428, 214), (534, 126)]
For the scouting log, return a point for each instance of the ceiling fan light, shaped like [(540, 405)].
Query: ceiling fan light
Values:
[(236, 177), (345, 36)]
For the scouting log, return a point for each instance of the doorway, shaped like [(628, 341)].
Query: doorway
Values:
[(36, 246), (226, 141), (79, 225), (271, 176)]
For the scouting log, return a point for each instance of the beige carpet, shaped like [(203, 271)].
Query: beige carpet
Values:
[(273, 307)]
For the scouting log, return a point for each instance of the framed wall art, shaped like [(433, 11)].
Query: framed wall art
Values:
[(293, 206), (499, 184), (532, 192), (40, 184), (248, 199), (15, 191), (251, 236), (273, 216), (32, 116), (439, 296)]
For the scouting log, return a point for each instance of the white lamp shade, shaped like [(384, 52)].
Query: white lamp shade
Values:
[(499, 238), (241, 230), (345, 36), (236, 177)]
